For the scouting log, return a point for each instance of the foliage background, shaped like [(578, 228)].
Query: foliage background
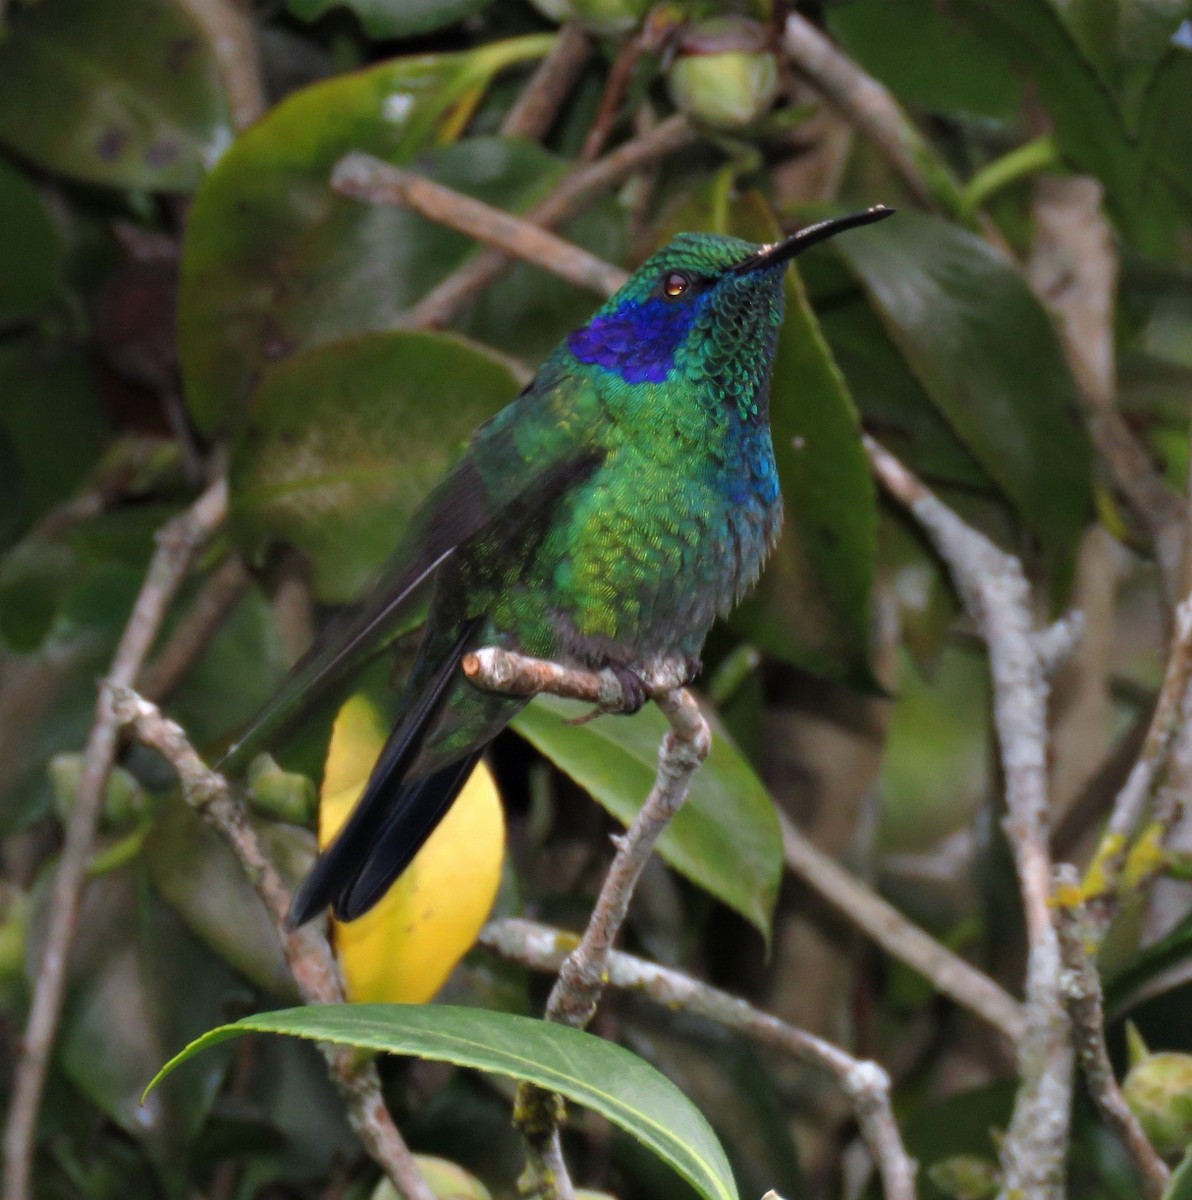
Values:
[(178, 293)]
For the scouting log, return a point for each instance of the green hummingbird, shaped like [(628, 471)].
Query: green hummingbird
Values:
[(602, 519)]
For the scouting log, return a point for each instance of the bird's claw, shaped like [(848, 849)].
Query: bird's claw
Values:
[(634, 692)]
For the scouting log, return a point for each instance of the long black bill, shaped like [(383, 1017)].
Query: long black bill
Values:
[(780, 252)]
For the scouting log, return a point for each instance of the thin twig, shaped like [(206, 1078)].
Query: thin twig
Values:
[(872, 109), (581, 979), (867, 1085), (996, 594), (580, 188), (230, 28), (176, 544), (535, 110), (1082, 988), (220, 593), (367, 178), (307, 950), (898, 936), (1073, 270), (1104, 875), (615, 85)]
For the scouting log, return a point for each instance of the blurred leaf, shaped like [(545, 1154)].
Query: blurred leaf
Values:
[(594, 1073), (238, 671), (926, 58), (725, 838), (1163, 965), (52, 415), (935, 771), (124, 93), (446, 1180), (1125, 40), (33, 579), (139, 985), (198, 875), (344, 442), (1143, 159), (275, 262), (31, 252), (394, 18), (987, 355)]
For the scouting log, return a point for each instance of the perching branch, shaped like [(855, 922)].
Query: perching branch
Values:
[(176, 544), (231, 29), (1082, 989), (307, 950), (997, 597), (867, 1085), (581, 978)]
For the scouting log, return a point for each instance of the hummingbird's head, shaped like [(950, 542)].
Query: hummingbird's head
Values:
[(704, 310)]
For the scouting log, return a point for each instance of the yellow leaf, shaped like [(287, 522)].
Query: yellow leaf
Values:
[(402, 950)]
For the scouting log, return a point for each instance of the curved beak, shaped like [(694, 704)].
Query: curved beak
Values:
[(780, 252)]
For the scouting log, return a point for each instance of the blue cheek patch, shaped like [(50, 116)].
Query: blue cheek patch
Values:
[(638, 341)]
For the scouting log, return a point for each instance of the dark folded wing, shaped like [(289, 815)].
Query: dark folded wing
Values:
[(519, 462)]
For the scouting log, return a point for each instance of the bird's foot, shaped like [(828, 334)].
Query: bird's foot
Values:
[(634, 691), (692, 665), (634, 694)]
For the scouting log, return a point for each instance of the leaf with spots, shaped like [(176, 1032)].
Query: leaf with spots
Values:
[(124, 93)]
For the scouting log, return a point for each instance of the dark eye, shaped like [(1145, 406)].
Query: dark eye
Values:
[(675, 284)]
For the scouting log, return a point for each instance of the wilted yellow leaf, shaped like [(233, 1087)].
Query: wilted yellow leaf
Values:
[(403, 950)]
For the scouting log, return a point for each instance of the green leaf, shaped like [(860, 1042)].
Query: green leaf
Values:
[(394, 18), (986, 354), (31, 251), (52, 415), (275, 262), (926, 58), (125, 93), (588, 1070), (344, 441), (725, 838)]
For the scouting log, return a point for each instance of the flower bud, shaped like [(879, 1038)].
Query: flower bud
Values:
[(284, 795), (965, 1177), (125, 802), (1159, 1091), (724, 73), (446, 1180)]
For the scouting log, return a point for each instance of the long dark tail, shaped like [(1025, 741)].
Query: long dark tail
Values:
[(393, 818)]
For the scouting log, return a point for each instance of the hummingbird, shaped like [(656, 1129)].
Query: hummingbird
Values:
[(602, 519)]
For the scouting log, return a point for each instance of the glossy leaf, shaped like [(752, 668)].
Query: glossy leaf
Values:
[(345, 440), (394, 18), (986, 354), (586, 1069), (1138, 145), (926, 58), (124, 93), (725, 838), (275, 262), (31, 251)]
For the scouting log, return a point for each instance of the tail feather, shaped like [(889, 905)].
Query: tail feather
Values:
[(413, 817), (385, 806)]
